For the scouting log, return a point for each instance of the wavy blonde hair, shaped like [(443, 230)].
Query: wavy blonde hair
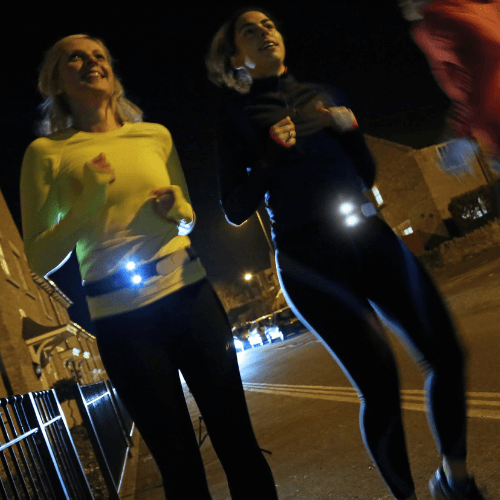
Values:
[(56, 113)]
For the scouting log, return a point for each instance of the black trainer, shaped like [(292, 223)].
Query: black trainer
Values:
[(440, 489)]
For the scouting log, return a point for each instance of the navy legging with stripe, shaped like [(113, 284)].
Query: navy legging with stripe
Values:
[(334, 278), (143, 351)]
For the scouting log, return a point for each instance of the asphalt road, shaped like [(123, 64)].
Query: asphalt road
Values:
[(305, 412)]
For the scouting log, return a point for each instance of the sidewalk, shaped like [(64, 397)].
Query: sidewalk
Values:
[(471, 262), (142, 480)]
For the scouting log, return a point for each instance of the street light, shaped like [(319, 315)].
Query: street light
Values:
[(248, 276)]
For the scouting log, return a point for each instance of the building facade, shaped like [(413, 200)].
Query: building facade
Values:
[(39, 344), (412, 193)]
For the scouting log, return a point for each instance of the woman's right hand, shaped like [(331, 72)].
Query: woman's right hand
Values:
[(284, 133), (97, 174)]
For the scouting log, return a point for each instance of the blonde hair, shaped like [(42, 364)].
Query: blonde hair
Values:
[(56, 113)]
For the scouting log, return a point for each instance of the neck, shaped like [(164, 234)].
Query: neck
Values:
[(273, 71), (89, 117)]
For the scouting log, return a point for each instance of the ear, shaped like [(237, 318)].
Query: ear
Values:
[(236, 61)]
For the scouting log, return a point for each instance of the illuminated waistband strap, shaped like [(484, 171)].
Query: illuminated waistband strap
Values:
[(134, 276)]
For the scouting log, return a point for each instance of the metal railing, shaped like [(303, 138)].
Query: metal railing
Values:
[(109, 428), (39, 460)]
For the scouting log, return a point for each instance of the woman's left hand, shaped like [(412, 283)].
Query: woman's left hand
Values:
[(340, 118), (169, 204)]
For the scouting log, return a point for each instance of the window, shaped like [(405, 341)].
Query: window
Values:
[(3, 261), (404, 229), (58, 308), (44, 305), (457, 154), (378, 196), (481, 210), (17, 262)]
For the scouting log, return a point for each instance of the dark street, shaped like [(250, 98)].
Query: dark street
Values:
[(305, 411)]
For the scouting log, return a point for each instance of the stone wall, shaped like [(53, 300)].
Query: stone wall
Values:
[(457, 249)]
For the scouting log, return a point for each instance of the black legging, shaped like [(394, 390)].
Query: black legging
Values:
[(331, 276), (143, 350)]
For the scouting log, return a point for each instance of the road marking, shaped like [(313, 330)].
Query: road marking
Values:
[(349, 395)]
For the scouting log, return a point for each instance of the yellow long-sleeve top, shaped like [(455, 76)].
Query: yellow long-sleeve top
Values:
[(57, 217)]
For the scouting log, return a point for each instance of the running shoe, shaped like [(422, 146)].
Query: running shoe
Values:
[(440, 489)]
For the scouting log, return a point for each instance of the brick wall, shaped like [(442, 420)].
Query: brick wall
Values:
[(18, 297), (404, 190), (442, 186), (24, 294)]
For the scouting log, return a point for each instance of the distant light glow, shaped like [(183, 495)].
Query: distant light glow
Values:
[(248, 276), (346, 208), (130, 265), (136, 279)]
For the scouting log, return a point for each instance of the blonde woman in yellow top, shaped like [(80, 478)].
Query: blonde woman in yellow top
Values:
[(101, 180)]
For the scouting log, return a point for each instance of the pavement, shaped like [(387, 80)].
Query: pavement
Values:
[(142, 480)]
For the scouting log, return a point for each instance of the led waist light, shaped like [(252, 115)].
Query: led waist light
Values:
[(346, 208), (354, 213), (135, 278), (351, 218)]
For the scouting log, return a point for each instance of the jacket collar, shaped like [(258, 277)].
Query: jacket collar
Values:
[(271, 83)]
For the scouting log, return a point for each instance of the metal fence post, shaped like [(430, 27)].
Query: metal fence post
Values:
[(105, 431), (58, 456)]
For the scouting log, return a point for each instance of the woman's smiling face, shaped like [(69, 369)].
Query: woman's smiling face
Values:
[(260, 46), (84, 69)]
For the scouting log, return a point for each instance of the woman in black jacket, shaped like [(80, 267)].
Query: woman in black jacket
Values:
[(298, 147)]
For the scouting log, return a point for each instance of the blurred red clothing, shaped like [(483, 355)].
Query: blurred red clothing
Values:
[(461, 39)]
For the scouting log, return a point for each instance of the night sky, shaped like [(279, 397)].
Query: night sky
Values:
[(363, 46)]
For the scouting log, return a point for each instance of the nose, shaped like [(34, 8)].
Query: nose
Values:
[(91, 60), (263, 31)]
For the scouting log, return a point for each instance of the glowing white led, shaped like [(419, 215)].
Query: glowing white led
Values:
[(346, 208), (352, 220), (130, 265), (136, 279)]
